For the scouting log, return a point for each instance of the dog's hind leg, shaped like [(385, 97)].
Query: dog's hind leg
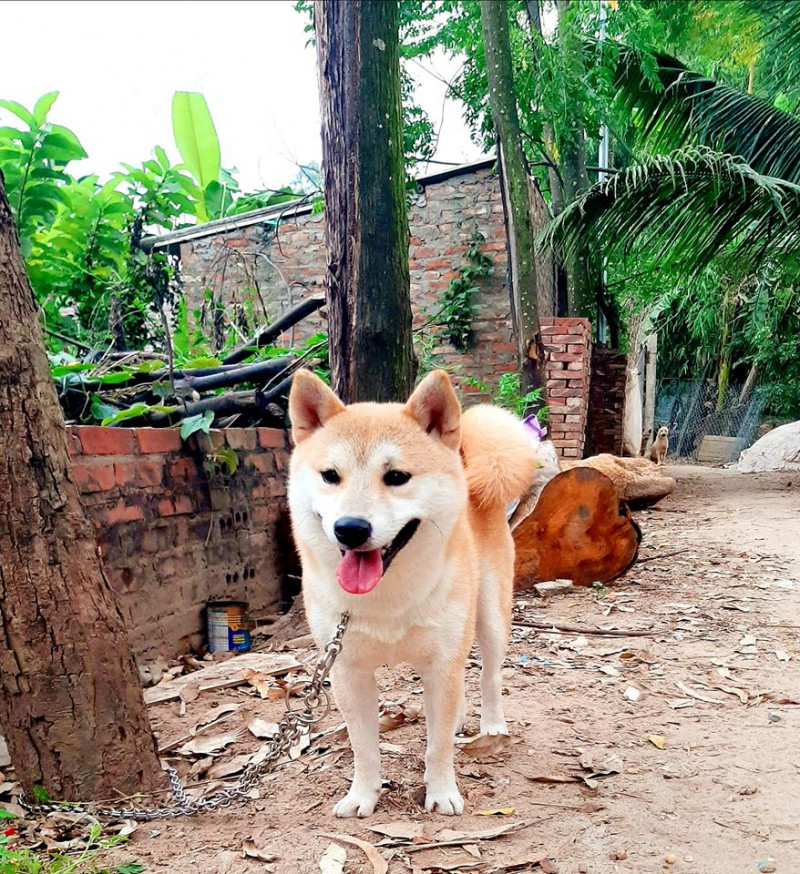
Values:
[(357, 697), (494, 627)]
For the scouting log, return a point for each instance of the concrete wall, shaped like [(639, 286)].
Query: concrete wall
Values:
[(175, 530)]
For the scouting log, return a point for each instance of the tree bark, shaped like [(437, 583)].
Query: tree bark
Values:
[(368, 288), (71, 705), (572, 149), (548, 134), (517, 190)]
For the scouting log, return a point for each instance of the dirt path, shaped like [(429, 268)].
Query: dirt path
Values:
[(714, 677)]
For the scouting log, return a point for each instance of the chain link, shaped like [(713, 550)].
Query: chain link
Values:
[(315, 704)]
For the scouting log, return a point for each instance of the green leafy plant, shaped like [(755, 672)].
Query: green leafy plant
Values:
[(510, 397), (457, 301), (33, 159), (20, 860)]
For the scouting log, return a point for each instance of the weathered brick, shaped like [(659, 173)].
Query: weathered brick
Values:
[(241, 438), (73, 442), (271, 438), (182, 469), (175, 505), (143, 472), (261, 461), (97, 440), (123, 512), (93, 476), (158, 440)]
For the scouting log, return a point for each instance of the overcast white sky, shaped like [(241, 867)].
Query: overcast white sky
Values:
[(118, 63)]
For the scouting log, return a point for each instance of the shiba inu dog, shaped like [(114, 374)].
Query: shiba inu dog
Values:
[(658, 452), (399, 514)]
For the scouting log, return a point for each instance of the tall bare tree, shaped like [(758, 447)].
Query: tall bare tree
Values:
[(369, 307), (517, 190), (71, 705)]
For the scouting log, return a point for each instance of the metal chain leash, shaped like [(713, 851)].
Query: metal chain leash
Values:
[(315, 704)]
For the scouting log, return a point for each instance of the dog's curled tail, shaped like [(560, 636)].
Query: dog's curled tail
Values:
[(499, 458)]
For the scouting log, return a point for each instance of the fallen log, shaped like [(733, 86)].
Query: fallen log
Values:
[(230, 376), (278, 327), (638, 481), (579, 530)]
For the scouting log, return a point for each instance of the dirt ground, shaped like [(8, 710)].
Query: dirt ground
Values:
[(698, 774)]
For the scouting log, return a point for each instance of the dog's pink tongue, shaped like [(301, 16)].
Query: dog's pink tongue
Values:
[(360, 572)]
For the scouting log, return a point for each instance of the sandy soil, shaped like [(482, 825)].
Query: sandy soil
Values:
[(719, 655)]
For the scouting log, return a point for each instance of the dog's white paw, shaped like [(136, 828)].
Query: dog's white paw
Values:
[(493, 726), (447, 800), (360, 803)]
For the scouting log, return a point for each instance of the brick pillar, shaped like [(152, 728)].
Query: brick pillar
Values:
[(567, 343), (606, 401)]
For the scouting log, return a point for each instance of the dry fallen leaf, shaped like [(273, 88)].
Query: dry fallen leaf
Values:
[(379, 864), (264, 684), (189, 692), (658, 740), (486, 746), (215, 714), (251, 850), (402, 830), (260, 728), (497, 811), (209, 744), (554, 778), (228, 766), (700, 697), (333, 859)]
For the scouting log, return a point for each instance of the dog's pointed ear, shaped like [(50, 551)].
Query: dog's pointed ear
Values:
[(311, 404), (435, 407)]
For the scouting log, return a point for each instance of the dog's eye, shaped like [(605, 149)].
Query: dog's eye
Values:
[(331, 477), (396, 477)]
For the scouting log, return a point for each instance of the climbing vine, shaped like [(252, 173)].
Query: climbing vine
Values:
[(458, 299)]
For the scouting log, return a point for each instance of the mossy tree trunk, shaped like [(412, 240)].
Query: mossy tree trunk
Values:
[(517, 190), (71, 705), (368, 289)]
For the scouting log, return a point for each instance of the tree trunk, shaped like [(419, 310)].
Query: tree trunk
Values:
[(71, 705), (369, 305), (517, 190), (548, 134), (572, 149)]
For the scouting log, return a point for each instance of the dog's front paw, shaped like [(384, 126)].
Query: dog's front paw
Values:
[(357, 802), (447, 800), (493, 726)]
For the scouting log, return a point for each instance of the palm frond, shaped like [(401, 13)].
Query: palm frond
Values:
[(682, 211), (779, 61), (673, 107)]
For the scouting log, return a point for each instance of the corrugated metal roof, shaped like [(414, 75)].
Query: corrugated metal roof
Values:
[(289, 209)]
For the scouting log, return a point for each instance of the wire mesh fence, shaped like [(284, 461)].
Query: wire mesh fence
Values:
[(692, 411)]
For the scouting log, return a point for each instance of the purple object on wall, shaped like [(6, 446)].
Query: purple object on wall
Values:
[(532, 423)]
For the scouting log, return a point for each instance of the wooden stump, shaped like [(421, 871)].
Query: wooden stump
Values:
[(580, 530)]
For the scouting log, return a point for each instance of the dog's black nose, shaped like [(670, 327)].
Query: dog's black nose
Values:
[(352, 532)]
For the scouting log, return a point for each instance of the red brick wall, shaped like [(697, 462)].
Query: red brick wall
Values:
[(567, 343), (606, 401), (174, 530), (443, 216)]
